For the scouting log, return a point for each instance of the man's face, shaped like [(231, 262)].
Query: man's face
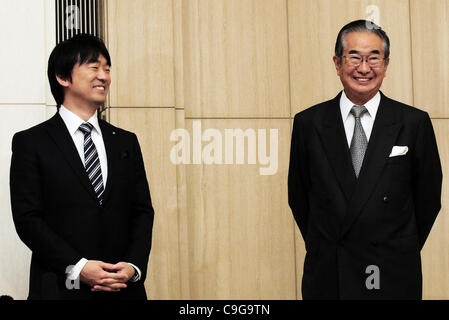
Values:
[(361, 83), (90, 83)]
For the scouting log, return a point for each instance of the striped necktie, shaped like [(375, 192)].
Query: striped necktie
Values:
[(91, 161), (359, 141)]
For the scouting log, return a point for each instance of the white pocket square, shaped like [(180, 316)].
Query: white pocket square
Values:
[(398, 151)]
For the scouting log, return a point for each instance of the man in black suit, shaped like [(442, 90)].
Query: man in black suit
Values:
[(364, 181), (79, 194)]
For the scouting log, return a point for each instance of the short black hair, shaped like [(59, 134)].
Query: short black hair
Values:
[(361, 26), (81, 48)]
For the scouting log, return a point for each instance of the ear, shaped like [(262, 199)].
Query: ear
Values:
[(63, 82), (337, 64)]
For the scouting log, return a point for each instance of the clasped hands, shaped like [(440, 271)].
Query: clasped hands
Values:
[(102, 276)]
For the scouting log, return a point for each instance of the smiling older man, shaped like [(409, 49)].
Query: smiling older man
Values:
[(364, 181)]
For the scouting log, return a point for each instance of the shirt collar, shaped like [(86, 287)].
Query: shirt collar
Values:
[(346, 105), (73, 122)]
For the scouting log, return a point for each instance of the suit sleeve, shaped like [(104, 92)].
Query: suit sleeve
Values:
[(142, 215), (427, 179), (29, 212), (298, 178)]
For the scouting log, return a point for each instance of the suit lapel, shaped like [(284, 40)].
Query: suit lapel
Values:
[(60, 135), (385, 131), (333, 138), (109, 136)]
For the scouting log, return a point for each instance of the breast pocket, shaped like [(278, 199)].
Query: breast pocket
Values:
[(399, 168), (398, 159)]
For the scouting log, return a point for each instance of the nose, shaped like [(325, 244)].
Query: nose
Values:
[(364, 67), (103, 74)]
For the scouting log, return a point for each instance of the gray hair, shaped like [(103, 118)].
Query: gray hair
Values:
[(361, 26)]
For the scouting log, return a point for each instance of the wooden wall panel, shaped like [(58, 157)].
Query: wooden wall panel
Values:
[(153, 127), (235, 58), (178, 54), (140, 35), (313, 29), (239, 224), (435, 257), (430, 38), (183, 222)]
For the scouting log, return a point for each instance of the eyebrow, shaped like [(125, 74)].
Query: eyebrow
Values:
[(358, 52), (92, 60)]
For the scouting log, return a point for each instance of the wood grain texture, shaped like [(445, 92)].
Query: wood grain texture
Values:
[(178, 54), (183, 222), (239, 224), (140, 35), (313, 29), (235, 58), (430, 38)]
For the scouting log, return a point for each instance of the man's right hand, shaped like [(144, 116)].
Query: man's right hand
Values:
[(95, 273)]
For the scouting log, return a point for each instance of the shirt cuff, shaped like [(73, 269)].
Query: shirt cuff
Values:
[(73, 272), (137, 275)]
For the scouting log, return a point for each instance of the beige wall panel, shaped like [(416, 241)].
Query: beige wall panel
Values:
[(140, 39), (430, 38), (241, 231), (153, 127), (435, 254), (235, 58), (178, 54), (313, 29), (183, 223)]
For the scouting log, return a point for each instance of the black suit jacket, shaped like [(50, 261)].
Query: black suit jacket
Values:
[(381, 219), (57, 214)]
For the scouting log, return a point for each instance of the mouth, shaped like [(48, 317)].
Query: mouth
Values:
[(363, 80), (101, 88)]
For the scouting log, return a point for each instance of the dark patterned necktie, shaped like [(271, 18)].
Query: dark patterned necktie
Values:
[(92, 162), (359, 141)]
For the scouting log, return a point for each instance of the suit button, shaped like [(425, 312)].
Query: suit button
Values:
[(341, 242), (385, 199), (374, 243)]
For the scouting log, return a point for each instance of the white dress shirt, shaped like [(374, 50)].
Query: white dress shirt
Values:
[(73, 122), (367, 119)]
